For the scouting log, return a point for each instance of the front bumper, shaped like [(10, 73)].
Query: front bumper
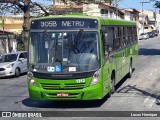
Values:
[(7, 72), (89, 93)]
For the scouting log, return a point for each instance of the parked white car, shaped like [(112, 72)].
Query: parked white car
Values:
[(144, 36), (13, 64)]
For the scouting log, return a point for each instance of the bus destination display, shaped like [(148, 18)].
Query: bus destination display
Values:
[(64, 23)]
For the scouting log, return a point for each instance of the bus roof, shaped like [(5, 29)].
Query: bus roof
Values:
[(109, 21), (103, 20), (67, 16)]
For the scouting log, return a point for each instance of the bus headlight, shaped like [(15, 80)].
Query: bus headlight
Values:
[(95, 78), (30, 79), (32, 82)]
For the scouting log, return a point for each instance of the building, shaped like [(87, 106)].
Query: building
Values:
[(151, 17), (12, 23), (100, 9), (7, 42), (131, 14), (103, 10), (143, 21), (143, 18), (64, 9)]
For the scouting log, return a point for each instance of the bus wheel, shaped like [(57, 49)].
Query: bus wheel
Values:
[(112, 86), (130, 71), (17, 72)]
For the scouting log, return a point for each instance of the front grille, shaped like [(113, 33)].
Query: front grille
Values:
[(2, 69), (67, 86)]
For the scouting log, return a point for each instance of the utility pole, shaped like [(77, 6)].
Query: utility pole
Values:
[(143, 14)]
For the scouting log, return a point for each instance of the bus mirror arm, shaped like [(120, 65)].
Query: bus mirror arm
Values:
[(108, 48), (106, 53)]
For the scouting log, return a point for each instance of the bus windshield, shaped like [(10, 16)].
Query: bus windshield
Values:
[(64, 52)]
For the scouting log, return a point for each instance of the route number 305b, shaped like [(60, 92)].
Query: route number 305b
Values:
[(80, 80)]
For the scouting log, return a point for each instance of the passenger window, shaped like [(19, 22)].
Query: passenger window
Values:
[(116, 41), (109, 38), (25, 55), (21, 56), (123, 39)]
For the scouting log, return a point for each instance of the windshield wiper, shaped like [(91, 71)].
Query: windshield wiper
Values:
[(54, 46), (73, 45), (79, 34)]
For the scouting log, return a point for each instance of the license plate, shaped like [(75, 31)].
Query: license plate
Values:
[(62, 94)]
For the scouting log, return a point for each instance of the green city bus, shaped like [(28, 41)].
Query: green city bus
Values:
[(79, 57)]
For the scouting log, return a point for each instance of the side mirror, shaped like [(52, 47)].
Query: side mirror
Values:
[(108, 49), (21, 59)]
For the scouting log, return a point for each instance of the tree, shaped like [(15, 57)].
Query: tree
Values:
[(156, 3), (19, 6), (1, 22)]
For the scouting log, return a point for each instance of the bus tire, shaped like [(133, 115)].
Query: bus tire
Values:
[(112, 85), (17, 72), (130, 71)]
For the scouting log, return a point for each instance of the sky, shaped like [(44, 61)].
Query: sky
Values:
[(136, 4), (122, 4)]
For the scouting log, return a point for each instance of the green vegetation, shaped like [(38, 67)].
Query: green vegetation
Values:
[(1, 22), (20, 44)]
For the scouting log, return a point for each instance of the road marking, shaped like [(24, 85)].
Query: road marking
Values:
[(146, 99), (149, 101)]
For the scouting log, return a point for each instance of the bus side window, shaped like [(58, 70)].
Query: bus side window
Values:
[(132, 34), (116, 38), (135, 34), (103, 47), (104, 42), (107, 43), (123, 37), (109, 38), (128, 36)]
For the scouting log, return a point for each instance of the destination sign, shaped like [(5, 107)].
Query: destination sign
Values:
[(64, 23)]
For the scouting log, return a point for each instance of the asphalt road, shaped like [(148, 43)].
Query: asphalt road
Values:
[(139, 93)]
